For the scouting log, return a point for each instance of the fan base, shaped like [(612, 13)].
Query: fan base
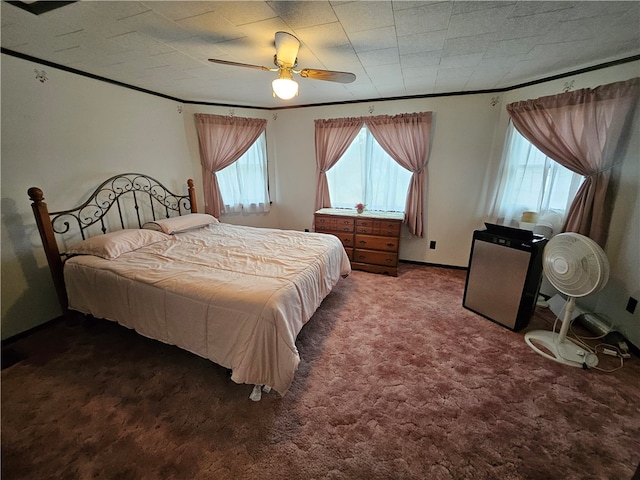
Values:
[(561, 350)]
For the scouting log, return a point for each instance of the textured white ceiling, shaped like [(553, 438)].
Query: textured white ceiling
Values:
[(396, 49)]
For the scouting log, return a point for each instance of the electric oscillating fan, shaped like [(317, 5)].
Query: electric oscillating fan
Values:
[(576, 266)]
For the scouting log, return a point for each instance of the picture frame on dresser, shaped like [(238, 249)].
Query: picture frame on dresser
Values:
[(371, 238)]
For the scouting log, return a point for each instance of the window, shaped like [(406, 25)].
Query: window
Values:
[(367, 174), (244, 184), (532, 182)]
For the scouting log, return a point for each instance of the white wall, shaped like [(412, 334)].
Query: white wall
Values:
[(462, 135), (623, 249), (68, 134)]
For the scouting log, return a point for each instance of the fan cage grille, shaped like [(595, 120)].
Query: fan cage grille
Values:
[(575, 264)]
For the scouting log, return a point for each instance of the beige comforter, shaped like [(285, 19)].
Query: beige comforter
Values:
[(235, 295)]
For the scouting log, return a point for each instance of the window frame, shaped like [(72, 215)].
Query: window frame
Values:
[(366, 141), (248, 207)]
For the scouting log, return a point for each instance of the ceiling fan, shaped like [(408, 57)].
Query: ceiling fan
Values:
[(286, 60)]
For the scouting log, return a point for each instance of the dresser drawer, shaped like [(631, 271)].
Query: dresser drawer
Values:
[(345, 238), (349, 253), (344, 224), (378, 227), (390, 229), (366, 229), (324, 228), (373, 242), (365, 223), (375, 258), (326, 223)]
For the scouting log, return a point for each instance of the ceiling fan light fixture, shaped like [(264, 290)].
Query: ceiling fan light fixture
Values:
[(286, 60), (285, 87)]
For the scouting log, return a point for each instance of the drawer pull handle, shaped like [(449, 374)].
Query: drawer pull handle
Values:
[(362, 242), (391, 244)]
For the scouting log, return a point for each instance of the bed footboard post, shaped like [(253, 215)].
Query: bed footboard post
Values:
[(43, 221), (192, 196)]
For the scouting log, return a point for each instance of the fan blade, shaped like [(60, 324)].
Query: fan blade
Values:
[(287, 47), (328, 75), (236, 64)]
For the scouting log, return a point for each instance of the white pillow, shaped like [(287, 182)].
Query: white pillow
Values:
[(112, 245), (190, 221)]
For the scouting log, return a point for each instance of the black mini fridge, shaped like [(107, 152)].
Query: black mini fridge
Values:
[(504, 275)]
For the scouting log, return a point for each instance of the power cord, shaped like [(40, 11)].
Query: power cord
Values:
[(606, 348), (612, 351), (609, 329)]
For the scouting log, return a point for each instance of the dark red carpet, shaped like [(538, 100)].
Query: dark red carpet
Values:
[(397, 381)]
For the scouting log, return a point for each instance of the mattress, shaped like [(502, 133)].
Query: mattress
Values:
[(235, 295)]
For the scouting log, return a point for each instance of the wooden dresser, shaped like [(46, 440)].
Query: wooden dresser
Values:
[(371, 239)]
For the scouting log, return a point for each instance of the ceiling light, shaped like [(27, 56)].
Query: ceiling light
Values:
[(284, 87)]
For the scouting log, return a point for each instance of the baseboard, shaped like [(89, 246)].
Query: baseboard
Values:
[(439, 265), (9, 340)]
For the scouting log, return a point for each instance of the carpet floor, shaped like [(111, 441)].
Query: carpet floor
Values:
[(397, 381)]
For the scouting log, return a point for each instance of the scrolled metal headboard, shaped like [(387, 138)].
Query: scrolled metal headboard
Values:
[(150, 199), (161, 201)]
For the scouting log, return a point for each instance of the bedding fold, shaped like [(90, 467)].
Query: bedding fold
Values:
[(236, 295)]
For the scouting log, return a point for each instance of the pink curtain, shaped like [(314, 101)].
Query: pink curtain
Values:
[(585, 131), (222, 140), (333, 137), (406, 139)]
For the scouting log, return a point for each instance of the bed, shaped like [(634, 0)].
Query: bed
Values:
[(137, 254)]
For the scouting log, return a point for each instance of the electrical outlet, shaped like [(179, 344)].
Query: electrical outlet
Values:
[(631, 305), (432, 244)]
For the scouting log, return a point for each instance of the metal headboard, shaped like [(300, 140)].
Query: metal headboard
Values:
[(142, 189), (150, 199)]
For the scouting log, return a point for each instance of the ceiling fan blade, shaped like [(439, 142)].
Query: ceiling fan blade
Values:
[(236, 64), (287, 47), (328, 75)]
